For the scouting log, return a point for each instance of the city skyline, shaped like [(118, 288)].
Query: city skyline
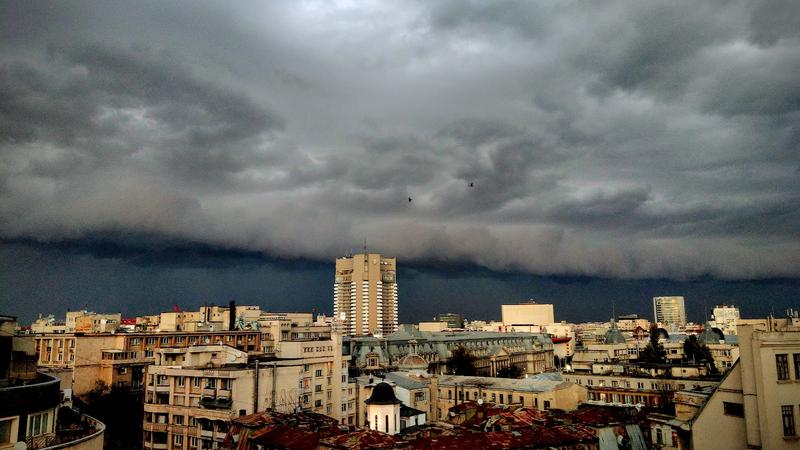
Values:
[(602, 148), (110, 278)]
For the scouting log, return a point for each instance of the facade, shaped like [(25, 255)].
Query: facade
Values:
[(32, 410), (435, 395), (453, 320), (755, 405), (628, 390), (365, 294), (726, 317), (669, 310), (193, 393), (118, 359), (447, 391), (527, 314), (532, 353)]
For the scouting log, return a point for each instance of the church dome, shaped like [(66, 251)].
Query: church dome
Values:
[(614, 336), (710, 335), (382, 394)]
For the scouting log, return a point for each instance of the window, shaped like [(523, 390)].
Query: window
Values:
[(192, 441), (164, 340), (178, 439), (317, 403), (178, 420), (192, 421), (181, 381), (796, 358), (787, 413), (782, 366), (318, 388), (318, 373), (659, 437), (38, 424), (733, 409), (5, 430), (196, 382), (501, 398), (134, 341), (211, 383), (151, 341), (547, 404)]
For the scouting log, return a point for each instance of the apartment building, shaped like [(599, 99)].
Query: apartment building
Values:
[(726, 317), (365, 294), (119, 359), (33, 413), (757, 403), (193, 393), (625, 389), (669, 310)]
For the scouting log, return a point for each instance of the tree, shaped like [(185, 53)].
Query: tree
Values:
[(510, 371), (653, 351), (695, 352), (461, 362), (120, 410)]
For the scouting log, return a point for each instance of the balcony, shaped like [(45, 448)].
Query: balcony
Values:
[(216, 402), (73, 431), (29, 396), (156, 427)]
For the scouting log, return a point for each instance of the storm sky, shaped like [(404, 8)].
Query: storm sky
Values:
[(620, 140)]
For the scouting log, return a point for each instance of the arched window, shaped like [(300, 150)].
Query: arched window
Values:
[(387, 424)]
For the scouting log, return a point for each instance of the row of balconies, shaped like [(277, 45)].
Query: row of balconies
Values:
[(169, 427)]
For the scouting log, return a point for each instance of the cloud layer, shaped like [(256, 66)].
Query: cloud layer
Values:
[(647, 140)]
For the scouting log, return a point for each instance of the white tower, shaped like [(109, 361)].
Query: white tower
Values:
[(383, 409)]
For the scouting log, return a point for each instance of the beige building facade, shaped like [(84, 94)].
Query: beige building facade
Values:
[(193, 393), (757, 404), (527, 314), (365, 294)]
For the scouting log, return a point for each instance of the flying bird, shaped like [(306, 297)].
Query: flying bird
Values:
[(409, 199), (471, 184)]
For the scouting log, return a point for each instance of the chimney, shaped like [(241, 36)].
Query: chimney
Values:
[(232, 315)]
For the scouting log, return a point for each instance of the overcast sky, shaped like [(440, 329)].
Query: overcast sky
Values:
[(608, 139)]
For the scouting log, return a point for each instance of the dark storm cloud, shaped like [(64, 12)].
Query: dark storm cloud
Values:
[(655, 139)]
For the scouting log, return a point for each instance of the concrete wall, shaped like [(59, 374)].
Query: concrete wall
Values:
[(713, 428)]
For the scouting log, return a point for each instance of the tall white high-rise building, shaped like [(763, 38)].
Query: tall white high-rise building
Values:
[(726, 317), (365, 294), (669, 310)]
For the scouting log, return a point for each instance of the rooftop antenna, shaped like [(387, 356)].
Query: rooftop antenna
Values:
[(365, 246)]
